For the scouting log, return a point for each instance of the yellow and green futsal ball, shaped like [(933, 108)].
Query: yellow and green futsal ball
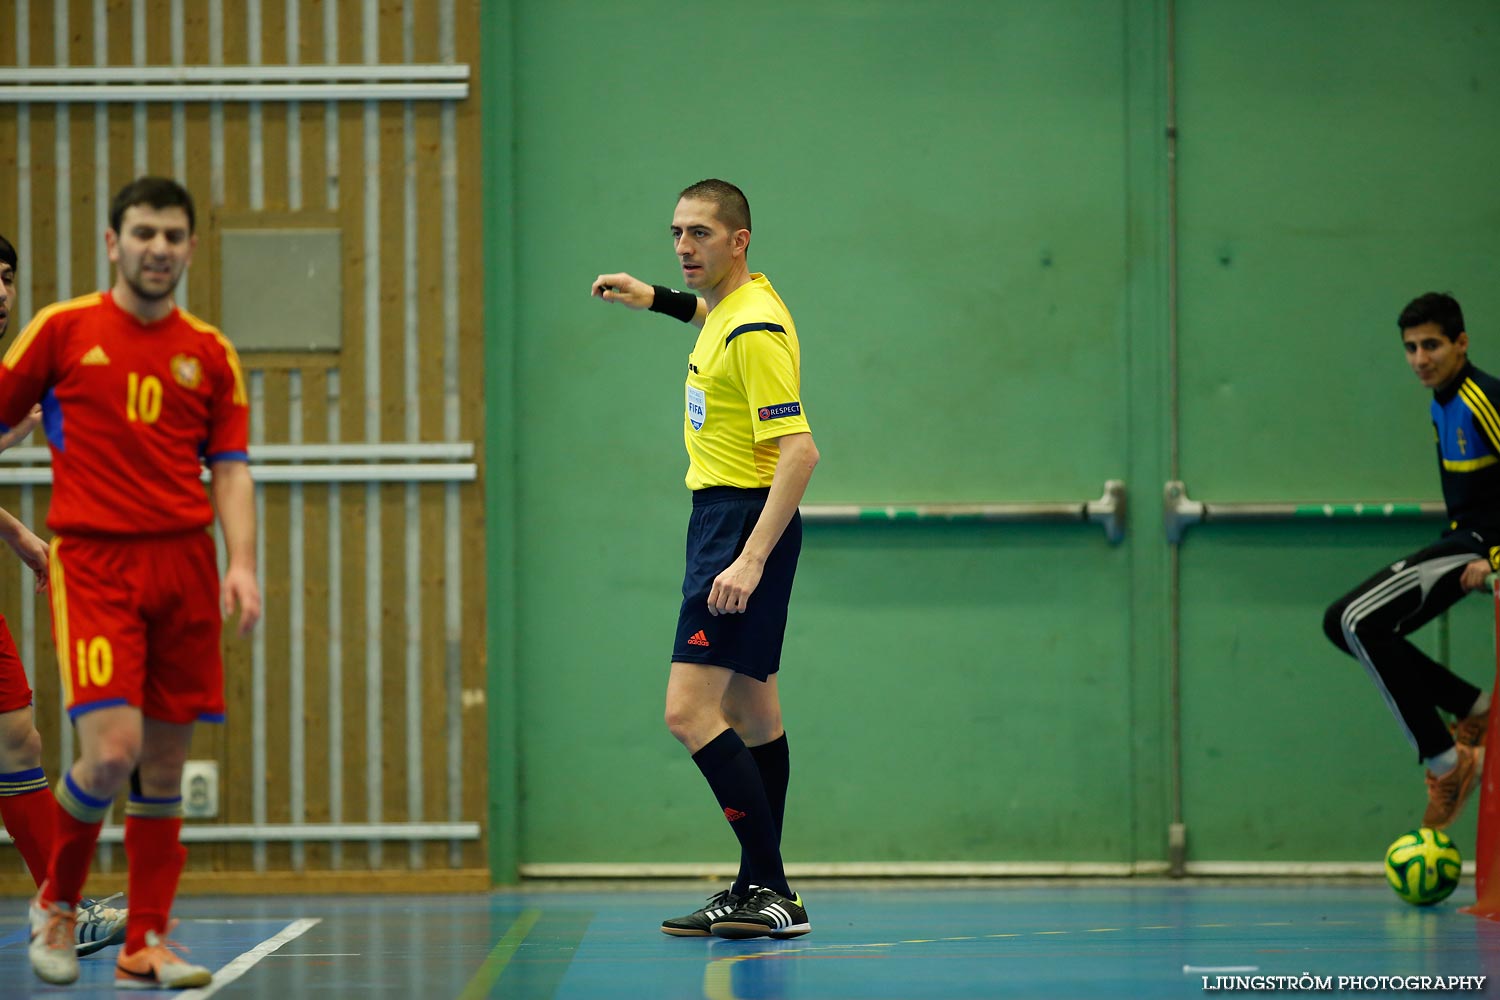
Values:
[(1423, 866)]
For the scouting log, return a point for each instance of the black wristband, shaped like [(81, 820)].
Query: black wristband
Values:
[(671, 302)]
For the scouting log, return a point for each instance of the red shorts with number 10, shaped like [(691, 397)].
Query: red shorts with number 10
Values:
[(137, 622)]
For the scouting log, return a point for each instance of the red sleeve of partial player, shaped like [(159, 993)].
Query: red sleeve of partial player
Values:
[(27, 369), (229, 426)]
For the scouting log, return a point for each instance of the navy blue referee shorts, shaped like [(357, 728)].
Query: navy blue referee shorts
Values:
[(747, 643)]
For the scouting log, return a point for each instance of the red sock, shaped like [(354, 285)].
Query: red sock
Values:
[(71, 857), (31, 819), (155, 856)]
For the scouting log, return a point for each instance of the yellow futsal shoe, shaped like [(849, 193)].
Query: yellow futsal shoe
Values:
[(1446, 794), (157, 967)]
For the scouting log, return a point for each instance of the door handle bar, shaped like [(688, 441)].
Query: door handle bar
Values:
[(1108, 511), (1180, 510)]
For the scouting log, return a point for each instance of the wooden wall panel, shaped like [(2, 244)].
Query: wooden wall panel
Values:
[(307, 181)]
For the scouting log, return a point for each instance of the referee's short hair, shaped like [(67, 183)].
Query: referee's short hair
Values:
[(732, 205), (1433, 307)]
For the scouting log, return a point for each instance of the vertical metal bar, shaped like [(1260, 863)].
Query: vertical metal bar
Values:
[(63, 151), (25, 286), (216, 108), (101, 148), (413, 405), (258, 810), (138, 57), (374, 785), (28, 593), (336, 705), (452, 525), (296, 634), (296, 535), (65, 724), (101, 33), (22, 238), (221, 552), (179, 119), (256, 111), (331, 108), (102, 193), (22, 241), (101, 56), (293, 114), (259, 666)]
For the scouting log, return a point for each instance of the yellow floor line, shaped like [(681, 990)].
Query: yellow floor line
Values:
[(499, 957)]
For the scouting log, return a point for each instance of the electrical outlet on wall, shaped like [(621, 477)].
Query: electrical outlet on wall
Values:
[(200, 789)]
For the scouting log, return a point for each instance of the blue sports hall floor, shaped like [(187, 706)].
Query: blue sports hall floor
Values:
[(871, 940)]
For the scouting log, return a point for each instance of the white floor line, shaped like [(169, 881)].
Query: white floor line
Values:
[(243, 963)]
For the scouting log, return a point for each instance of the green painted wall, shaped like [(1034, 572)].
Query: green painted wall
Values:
[(964, 205), (1334, 162)]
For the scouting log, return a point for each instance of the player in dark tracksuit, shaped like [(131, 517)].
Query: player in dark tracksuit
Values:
[(1372, 621)]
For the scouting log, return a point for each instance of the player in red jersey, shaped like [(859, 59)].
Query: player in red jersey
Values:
[(137, 396), (25, 799), (27, 807)]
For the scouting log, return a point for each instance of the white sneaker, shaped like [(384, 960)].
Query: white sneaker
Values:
[(99, 926), (53, 953), (156, 967)]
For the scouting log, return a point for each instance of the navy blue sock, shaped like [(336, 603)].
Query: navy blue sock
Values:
[(774, 764), (730, 770)]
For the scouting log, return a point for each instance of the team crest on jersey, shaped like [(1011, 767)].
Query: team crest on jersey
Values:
[(187, 370)]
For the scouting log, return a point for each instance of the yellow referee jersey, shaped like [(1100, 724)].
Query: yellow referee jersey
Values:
[(744, 389)]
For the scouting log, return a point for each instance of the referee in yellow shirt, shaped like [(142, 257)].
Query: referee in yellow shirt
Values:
[(750, 456)]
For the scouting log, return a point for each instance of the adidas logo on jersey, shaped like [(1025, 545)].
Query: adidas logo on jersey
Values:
[(95, 356), (698, 639)]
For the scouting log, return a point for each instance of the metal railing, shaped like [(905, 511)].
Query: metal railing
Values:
[(284, 463), (154, 84), (1108, 511), (296, 833), (1180, 511)]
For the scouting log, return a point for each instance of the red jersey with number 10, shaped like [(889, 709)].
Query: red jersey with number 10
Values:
[(132, 411)]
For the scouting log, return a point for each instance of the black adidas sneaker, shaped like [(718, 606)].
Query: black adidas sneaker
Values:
[(763, 912), (697, 923)]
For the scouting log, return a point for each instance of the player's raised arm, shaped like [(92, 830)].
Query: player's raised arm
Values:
[(634, 293)]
